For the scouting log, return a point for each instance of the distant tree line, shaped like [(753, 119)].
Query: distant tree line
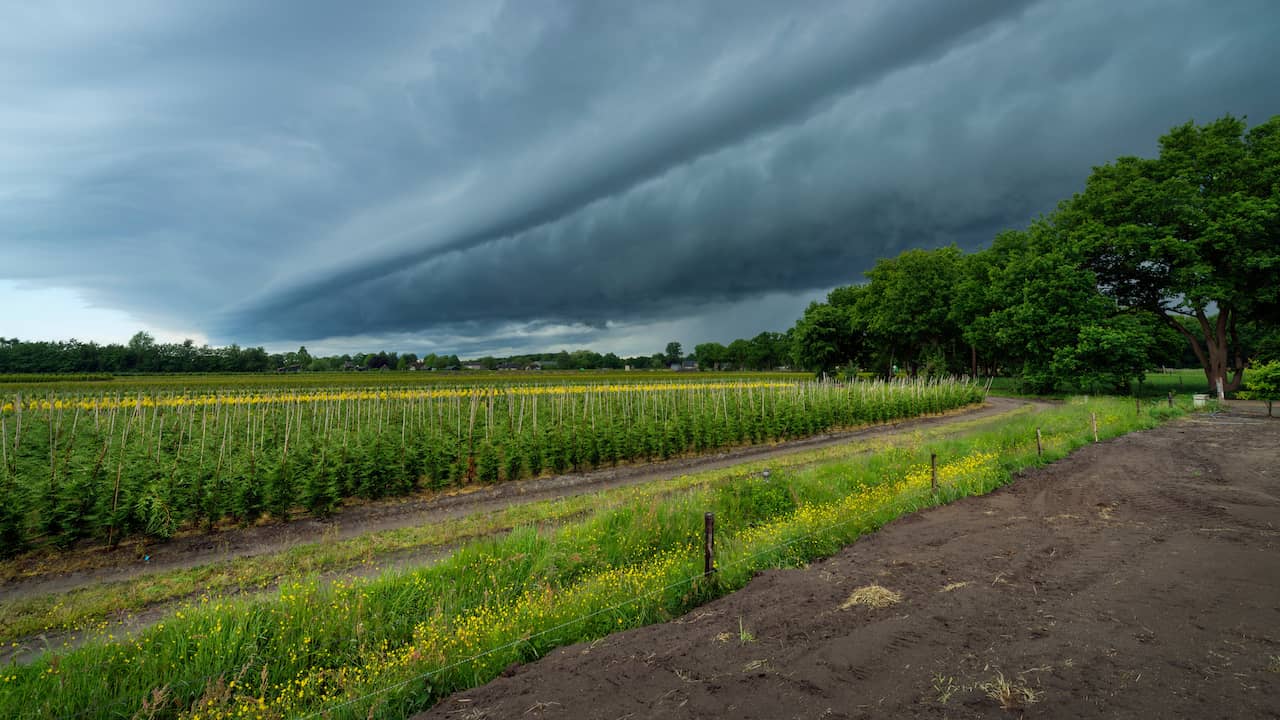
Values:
[(141, 355)]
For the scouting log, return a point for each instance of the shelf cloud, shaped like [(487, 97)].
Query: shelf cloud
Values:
[(524, 175)]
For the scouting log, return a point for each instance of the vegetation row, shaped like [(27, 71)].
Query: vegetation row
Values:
[(102, 468)]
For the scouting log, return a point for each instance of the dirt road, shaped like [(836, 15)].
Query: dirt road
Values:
[(1138, 578)]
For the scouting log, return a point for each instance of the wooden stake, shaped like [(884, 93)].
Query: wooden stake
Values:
[(1039, 446), (1094, 418), (933, 471), (708, 544)]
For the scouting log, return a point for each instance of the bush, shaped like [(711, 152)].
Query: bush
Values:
[(1263, 383)]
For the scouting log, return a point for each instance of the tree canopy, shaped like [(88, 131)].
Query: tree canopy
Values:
[(1194, 232)]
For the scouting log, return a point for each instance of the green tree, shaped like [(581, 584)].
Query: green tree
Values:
[(1105, 357), (301, 357), (1047, 323), (1264, 384), (1188, 233), (738, 353), (823, 338), (674, 353), (767, 351), (710, 355), (907, 305)]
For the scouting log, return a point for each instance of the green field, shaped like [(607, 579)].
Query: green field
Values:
[(1180, 381), (388, 646)]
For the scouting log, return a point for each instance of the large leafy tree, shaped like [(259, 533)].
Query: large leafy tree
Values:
[(1193, 233), (825, 337), (1046, 321), (907, 306), (674, 353), (710, 354)]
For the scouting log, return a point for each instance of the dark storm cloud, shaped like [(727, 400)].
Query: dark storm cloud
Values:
[(509, 175)]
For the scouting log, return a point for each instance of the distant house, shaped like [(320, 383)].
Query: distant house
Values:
[(543, 365), (685, 366), (473, 366), (290, 368)]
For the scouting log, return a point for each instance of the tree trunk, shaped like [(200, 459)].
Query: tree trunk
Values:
[(1214, 352)]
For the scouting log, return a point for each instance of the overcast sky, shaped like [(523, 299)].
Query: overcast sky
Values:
[(490, 177)]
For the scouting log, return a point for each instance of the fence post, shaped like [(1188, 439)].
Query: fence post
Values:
[(1170, 398), (1137, 405), (933, 471), (1094, 418), (709, 544), (1039, 447)]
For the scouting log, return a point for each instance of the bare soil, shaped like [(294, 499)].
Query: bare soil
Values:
[(1136, 578), (88, 566)]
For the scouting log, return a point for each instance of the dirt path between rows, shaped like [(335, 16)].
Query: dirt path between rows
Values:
[(194, 550), (1136, 578)]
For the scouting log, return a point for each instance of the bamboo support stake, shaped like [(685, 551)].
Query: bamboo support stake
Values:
[(204, 419), (115, 494), (284, 452), (4, 445), (53, 450), (1093, 417), (222, 449), (71, 444)]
